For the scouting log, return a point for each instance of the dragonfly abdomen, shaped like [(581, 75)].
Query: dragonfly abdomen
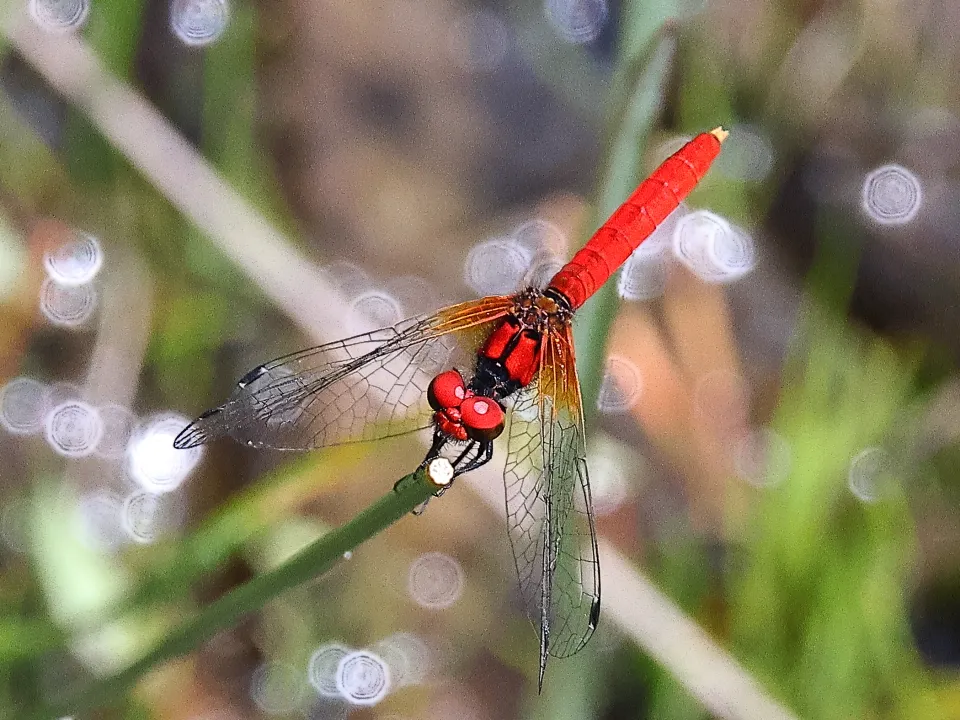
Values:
[(636, 219)]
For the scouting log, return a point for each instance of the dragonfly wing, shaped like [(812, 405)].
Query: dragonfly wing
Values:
[(549, 508), (362, 388)]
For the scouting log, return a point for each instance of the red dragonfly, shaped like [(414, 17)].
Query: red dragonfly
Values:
[(520, 347)]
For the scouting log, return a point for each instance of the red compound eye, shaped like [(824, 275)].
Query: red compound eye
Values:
[(446, 390), (482, 417)]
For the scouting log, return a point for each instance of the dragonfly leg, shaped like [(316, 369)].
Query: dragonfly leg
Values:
[(483, 456), (456, 463), (439, 439)]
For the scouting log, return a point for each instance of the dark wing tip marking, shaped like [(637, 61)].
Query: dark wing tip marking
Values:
[(199, 432)]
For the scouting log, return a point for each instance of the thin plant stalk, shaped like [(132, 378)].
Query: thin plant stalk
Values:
[(639, 89), (318, 557)]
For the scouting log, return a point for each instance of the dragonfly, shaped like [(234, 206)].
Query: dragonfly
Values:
[(515, 353)]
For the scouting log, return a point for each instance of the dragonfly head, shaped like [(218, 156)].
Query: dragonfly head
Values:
[(482, 418), (462, 414)]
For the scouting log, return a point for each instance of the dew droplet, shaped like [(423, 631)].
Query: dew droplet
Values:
[(892, 195), (435, 581)]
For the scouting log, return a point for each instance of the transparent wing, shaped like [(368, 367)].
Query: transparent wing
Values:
[(549, 509), (362, 388)]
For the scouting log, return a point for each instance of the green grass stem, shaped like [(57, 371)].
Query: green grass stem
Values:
[(318, 557)]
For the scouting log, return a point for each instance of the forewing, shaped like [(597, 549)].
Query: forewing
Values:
[(362, 388), (550, 514)]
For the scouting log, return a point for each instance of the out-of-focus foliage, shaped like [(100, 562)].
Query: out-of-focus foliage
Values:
[(775, 445)]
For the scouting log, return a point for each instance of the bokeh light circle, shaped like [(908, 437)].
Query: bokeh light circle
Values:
[(74, 429), (98, 513), (349, 279), (408, 656), (542, 270), (153, 462), (61, 392), (381, 308), (762, 457), (540, 237), (577, 21), (435, 580), (67, 305), (712, 248), (609, 484), (621, 387), (146, 516), (871, 476), (643, 277), (892, 195), (322, 668), (496, 266), (363, 678), (644, 274), (23, 406), (75, 262), (414, 294), (747, 154), (59, 16), (661, 239), (277, 688), (118, 424), (199, 22)]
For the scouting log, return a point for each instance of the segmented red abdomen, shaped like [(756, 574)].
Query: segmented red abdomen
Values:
[(637, 218)]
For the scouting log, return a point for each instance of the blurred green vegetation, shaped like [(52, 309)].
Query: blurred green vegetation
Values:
[(812, 592)]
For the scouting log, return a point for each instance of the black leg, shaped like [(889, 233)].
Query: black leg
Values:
[(484, 455)]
